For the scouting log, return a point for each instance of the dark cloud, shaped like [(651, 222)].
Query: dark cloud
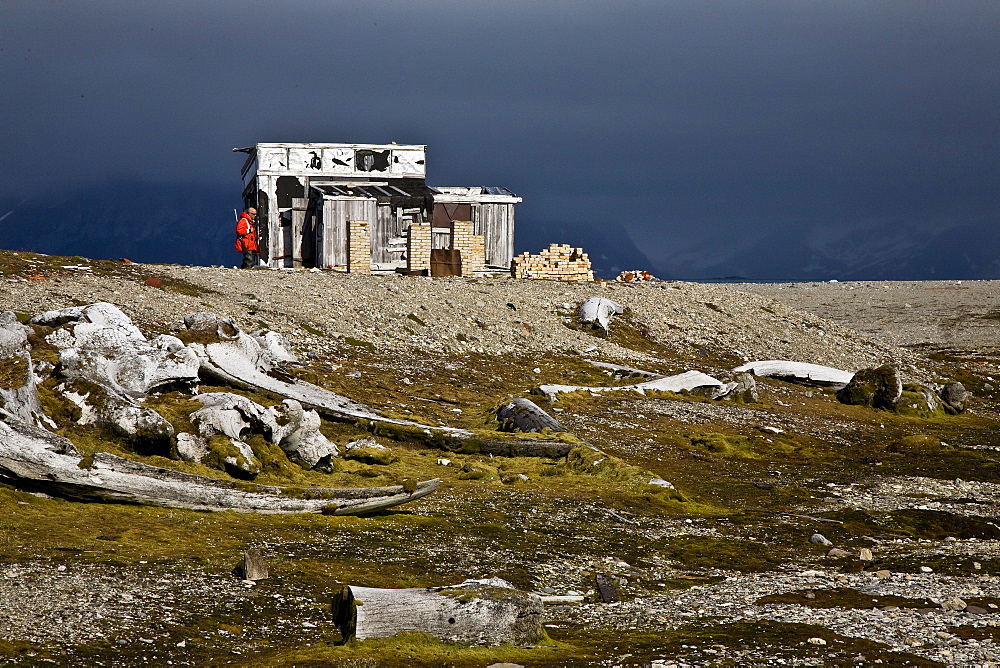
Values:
[(688, 123)]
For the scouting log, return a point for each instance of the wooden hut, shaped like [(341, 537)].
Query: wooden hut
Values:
[(316, 201)]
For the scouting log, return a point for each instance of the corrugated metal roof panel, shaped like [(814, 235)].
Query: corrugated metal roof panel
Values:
[(497, 190)]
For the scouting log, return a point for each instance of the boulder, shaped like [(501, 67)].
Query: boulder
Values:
[(191, 448), (879, 387), (13, 335), (916, 399), (18, 393), (277, 346), (522, 414), (203, 321), (369, 451), (955, 396)]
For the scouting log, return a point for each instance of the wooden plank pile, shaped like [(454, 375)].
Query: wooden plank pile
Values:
[(559, 262)]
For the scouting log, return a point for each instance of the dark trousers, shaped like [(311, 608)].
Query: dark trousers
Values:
[(248, 260)]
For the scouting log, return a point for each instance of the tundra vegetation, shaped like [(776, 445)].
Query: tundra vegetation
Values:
[(749, 483)]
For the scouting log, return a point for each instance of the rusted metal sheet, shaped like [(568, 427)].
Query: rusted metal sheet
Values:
[(446, 212), (446, 262)]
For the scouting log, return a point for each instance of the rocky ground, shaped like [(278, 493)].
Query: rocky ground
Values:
[(720, 572)]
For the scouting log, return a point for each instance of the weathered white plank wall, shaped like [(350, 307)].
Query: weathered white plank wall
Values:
[(331, 245)]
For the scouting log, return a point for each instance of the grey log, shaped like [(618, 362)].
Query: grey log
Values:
[(226, 362), (36, 458), (475, 612)]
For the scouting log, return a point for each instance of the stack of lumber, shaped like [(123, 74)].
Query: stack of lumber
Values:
[(558, 262)]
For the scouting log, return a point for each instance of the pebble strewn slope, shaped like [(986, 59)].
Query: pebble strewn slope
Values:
[(494, 316)]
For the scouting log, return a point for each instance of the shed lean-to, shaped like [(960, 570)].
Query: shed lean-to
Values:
[(307, 196)]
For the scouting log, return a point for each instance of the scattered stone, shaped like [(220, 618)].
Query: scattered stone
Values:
[(976, 610), (820, 539), (864, 554), (817, 641), (954, 604), (883, 574), (838, 553), (660, 482), (926, 569)]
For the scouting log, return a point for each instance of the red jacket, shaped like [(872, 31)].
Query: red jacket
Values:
[(246, 234)]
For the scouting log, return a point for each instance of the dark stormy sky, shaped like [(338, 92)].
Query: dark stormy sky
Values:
[(703, 129)]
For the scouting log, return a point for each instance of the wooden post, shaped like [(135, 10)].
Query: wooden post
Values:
[(606, 589)]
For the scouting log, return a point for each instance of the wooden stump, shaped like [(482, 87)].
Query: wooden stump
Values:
[(606, 589), (476, 612), (253, 566)]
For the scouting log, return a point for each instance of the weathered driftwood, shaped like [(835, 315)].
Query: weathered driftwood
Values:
[(524, 415), (527, 447), (227, 362), (689, 380), (800, 371), (490, 612), (36, 458)]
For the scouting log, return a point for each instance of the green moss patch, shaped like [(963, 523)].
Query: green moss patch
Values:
[(14, 373), (728, 554)]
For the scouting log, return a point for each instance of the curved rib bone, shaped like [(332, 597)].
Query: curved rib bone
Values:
[(50, 463)]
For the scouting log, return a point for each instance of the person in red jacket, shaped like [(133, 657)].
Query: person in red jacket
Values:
[(246, 237)]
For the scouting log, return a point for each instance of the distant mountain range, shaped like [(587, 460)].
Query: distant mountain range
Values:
[(191, 224), (143, 222), (890, 251)]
